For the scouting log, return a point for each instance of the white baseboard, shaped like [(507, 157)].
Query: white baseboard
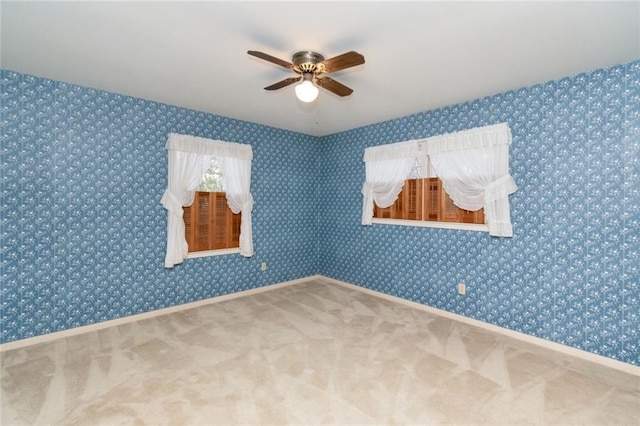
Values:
[(567, 350), (18, 344), (547, 344)]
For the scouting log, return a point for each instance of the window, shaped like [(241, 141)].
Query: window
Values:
[(466, 186), (209, 222), (189, 160)]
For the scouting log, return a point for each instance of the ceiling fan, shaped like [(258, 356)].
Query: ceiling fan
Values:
[(311, 67)]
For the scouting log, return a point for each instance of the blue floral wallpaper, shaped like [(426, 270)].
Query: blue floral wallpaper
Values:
[(571, 273), (83, 231)]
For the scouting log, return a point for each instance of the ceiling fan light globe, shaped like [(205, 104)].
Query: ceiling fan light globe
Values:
[(306, 91)]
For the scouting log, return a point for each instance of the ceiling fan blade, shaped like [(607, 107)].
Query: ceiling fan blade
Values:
[(284, 83), (340, 62), (270, 58), (333, 86)]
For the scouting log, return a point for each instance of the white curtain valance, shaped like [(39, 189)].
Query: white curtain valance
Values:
[(479, 137), (189, 158), (406, 149), (212, 147)]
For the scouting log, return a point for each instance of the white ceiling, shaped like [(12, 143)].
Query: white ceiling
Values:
[(419, 55)]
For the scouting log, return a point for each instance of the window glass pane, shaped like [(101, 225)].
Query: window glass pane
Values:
[(416, 172), (422, 168), (212, 179)]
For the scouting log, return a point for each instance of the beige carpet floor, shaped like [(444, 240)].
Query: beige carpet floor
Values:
[(309, 353)]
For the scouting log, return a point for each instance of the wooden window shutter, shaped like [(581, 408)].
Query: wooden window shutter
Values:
[(203, 214), (468, 216), (398, 208), (432, 201), (221, 220), (210, 224), (235, 229), (449, 210), (411, 200)]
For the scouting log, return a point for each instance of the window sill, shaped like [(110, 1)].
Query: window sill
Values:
[(432, 224), (208, 253)]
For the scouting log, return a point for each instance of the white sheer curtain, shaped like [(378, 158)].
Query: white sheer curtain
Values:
[(189, 158), (387, 168), (474, 168), (236, 178)]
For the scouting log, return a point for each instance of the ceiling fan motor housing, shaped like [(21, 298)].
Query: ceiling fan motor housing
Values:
[(306, 61)]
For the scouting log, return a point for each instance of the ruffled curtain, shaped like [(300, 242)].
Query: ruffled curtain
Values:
[(189, 159), (236, 178), (387, 168), (474, 168)]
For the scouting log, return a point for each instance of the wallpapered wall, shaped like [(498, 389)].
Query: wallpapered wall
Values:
[(571, 273), (83, 231)]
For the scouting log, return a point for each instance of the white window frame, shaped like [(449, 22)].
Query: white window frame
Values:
[(433, 224), (209, 253)]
